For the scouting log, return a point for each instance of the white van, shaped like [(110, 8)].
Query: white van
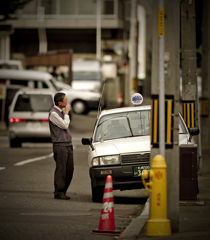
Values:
[(81, 101), (87, 75)]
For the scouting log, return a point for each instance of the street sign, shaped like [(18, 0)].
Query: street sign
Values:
[(161, 29)]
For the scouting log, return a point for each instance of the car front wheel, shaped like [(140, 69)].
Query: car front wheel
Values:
[(97, 193), (15, 143), (79, 107)]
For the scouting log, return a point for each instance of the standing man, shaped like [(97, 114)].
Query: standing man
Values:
[(62, 146)]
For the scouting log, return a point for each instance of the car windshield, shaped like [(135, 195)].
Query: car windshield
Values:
[(57, 88), (86, 76), (34, 103), (121, 125)]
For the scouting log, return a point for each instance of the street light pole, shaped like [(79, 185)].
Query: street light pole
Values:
[(133, 46), (98, 30)]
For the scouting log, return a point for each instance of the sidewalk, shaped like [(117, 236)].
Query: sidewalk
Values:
[(194, 217)]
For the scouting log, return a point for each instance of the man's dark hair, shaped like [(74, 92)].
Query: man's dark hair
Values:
[(59, 98)]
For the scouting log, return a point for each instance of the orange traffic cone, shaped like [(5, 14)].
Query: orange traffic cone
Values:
[(107, 223)]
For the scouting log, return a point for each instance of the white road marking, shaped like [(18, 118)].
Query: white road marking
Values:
[(33, 160), (2, 168)]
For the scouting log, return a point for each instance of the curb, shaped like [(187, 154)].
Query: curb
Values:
[(133, 229)]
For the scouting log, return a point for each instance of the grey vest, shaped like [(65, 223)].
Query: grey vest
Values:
[(59, 136)]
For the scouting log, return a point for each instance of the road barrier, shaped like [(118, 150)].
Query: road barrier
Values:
[(107, 221)]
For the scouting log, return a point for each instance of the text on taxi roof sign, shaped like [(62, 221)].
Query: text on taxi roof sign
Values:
[(136, 99)]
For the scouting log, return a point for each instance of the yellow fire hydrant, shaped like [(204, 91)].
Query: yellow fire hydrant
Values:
[(158, 224)]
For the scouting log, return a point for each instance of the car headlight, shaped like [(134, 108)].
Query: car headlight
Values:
[(95, 161), (106, 160)]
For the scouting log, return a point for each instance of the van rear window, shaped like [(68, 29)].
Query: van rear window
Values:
[(33, 103)]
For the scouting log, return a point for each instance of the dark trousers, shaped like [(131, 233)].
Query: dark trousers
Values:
[(63, 156)]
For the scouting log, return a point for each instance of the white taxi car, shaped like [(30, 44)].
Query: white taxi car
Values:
[(120, 145)]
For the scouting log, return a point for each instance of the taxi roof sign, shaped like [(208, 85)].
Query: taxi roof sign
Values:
[(136, 99)]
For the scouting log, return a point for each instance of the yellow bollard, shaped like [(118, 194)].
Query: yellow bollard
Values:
[(158, 224)]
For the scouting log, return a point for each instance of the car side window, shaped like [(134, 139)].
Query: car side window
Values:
[(19, 82), (40, 84)]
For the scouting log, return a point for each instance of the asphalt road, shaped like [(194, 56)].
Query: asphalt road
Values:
[(27, 207)]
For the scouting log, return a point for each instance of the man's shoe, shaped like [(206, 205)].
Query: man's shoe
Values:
[(62, 197)]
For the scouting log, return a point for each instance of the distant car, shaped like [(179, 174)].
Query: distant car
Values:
[(120, 146), (16, 79), (28, 116), (81, 101)]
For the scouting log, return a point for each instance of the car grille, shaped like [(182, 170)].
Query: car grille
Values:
[(136, 158)]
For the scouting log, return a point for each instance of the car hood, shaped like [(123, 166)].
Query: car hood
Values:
[(123, 145)]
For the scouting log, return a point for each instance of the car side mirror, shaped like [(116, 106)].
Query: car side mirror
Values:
[(88, 141), (193, 132)]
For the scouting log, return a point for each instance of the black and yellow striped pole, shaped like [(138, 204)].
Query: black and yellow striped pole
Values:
[(188, 113), (204, 107), (154, 130)]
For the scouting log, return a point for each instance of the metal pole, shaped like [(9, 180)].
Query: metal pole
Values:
[(205, 121), (161, 79), (98, 30), (200, 168), (2, 47), (133, 48)]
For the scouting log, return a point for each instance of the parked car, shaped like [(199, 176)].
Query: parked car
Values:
[(120, 146), (28, 78), (28, 116), (81, 101)]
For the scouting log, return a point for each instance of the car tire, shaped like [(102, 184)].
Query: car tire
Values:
[(97, 193), (79, 107), (15, 143)]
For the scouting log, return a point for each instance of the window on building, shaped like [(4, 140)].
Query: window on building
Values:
[(30, 8), (50, 6), (127, 8), (107, 7), (67, 7), (86, 7)]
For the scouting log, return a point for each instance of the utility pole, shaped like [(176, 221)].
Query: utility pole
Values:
[(205, 111), (98, 30), (188, 56), (161, 35), (189, 66), (133, 47), (170, 93)]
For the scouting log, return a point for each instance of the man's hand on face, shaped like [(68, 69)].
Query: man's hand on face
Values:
[(67, 109)]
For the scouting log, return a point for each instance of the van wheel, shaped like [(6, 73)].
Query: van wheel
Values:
[(79, 107), (15, 143), (97, 193)]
